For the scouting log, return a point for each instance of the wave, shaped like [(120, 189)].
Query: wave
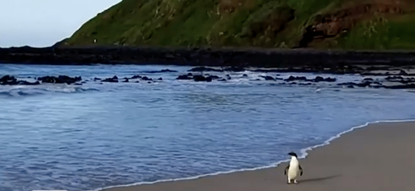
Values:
[(22, 91), (304, 154)]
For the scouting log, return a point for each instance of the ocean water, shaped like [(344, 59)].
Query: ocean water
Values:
[(96, 135)]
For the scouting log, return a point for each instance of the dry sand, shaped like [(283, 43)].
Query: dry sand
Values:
[(379, 157)]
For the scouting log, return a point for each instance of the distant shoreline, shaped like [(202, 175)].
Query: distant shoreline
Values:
[(241, 57)]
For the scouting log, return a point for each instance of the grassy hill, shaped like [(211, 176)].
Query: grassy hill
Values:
[(348, 24)]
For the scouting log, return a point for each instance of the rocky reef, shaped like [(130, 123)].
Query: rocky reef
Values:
[(390, 78)]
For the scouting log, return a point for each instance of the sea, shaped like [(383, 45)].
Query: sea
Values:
[(99, 135)]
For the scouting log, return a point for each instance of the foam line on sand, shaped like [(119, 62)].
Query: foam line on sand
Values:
[(367, 159)]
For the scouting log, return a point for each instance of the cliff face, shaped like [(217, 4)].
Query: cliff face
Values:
[(348, 24)]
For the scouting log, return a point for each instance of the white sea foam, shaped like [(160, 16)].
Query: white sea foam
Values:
[(21, 90), (304, 154)]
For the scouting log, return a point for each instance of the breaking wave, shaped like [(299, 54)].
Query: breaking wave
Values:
[(22, 91)]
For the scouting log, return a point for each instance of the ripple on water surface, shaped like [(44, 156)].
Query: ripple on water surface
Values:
[(98, 135)]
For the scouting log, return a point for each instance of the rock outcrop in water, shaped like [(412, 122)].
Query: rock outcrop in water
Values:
[(59, 79), (394, 78), (135, 77), (199, 78), (11, 80)]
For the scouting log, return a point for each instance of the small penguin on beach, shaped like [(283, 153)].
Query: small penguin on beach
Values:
[(293, 169)]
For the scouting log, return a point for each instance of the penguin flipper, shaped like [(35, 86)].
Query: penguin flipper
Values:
[(286, 169), (301, 170)]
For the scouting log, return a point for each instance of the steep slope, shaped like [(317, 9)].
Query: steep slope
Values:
[(356, 24)]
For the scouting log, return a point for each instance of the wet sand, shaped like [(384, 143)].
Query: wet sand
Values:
[(379, 157)]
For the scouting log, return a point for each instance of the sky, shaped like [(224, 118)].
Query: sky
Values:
[(40, 23)]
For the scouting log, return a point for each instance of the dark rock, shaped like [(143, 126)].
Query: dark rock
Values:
[(316, 79), (113, 79), (268, 78), (8, 80), (126, 80), (97, 79), (245, 75), (11, 80), (146, 78), (328, 79), (292, 78), (402, 72), (185, 77), (160, 79), (160, 71), (321, 79), (136, 77), (60, 79), (200, 78), (204, 69)]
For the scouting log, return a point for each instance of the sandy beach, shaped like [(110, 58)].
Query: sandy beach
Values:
[(378, 157)]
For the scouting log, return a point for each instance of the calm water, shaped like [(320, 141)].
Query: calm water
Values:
[(98, 135)]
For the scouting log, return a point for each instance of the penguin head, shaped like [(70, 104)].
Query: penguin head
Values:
[(292, 154)]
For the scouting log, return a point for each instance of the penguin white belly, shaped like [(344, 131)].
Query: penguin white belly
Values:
[(293, 172), (294, 169)]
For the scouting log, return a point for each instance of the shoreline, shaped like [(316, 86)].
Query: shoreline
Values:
[(304, 153), (204, 56)]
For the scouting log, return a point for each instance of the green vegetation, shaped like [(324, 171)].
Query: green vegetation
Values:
[(350, 24)]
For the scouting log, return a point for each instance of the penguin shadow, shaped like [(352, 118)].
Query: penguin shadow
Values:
[(317, 179)]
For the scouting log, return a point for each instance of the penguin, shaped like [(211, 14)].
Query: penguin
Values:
[(293, 169)]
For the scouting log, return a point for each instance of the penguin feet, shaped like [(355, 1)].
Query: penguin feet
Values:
[(292, 181)]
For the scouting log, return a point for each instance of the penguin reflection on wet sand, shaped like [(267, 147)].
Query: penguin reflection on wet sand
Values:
[(293, 169)]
